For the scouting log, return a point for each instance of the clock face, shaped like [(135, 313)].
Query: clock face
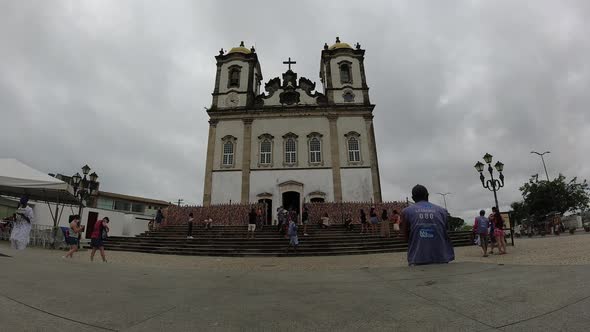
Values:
[(232, 99)]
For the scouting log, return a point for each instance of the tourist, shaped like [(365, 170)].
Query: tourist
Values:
[(99, 234), (208, 222), (151, 225), (374, 220), (189, 234), (385, 228), (325, 222), (498, 222), (72, 235), (493, 242), (159, 218), (305, 220), (251, 223), (21, 227), (424, 227), (280, 218), (348, 222), (293, 239), (395, 219), (259, 218), (480, 229), (364, 224)]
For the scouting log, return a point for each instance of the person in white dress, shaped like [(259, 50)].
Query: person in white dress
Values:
[(20, 235)]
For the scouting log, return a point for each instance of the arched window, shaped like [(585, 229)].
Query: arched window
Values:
[(290, 151), (354, 151), (228, 151), (345, 72), (265, 152), (234, 76), (315, 148), (353, 145)]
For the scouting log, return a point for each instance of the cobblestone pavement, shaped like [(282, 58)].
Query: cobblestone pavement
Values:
[(542, 284)]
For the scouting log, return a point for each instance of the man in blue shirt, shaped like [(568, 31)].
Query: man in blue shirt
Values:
[(424, 226)]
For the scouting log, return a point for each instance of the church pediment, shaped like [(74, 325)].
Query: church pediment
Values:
[(291, 183), (290, 92)]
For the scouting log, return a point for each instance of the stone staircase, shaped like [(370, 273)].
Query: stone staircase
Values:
[(233, 241)]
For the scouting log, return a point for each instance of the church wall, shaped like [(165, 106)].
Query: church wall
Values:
[(339, 98), (226, 187), (346, 125), (224, 128), (356, 184), (278, 127)]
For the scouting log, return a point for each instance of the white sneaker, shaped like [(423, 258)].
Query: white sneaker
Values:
[(190, 237)]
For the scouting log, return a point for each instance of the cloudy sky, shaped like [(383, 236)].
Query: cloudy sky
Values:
[(122, 86)]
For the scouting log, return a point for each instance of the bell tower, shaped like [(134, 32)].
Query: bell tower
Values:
[(237, 80), (342, 72)]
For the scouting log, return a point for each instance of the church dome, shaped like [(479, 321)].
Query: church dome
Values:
[(240, 49), (338, 45)]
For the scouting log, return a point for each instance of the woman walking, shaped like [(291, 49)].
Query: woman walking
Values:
[(72, 236), (99, 232), (499, 230), (364, 224), (385, 229), (374, 220), (395, 219)]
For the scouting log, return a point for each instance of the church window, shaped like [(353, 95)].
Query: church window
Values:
[(234, 77), (345, 72), (228, 151), (265, 145), (315, 150), (354, 152), (348, 96), (290, 151), (354, 147)]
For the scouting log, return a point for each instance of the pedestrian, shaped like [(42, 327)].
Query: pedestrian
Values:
[(305, 220), (293, 239), (72, 235), (374, 220), (189, 234), (208, 222), (498, 222), (159, 218), (493, 242), (385, 228), (424, 227), (364, 223), (325, 222), (21, 227), (99, 234), (480, 229), (259, 219), (395, 219), (348, 222), (281, 219), (251, 223)]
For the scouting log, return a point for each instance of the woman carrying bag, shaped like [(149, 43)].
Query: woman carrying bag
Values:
[(99, 233)]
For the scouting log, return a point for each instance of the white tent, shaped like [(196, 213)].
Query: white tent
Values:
[(18, 179)]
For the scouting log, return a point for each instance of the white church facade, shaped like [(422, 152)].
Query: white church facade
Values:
[(291, 144)]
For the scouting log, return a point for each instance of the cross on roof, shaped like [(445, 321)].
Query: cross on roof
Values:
[(289, 63)]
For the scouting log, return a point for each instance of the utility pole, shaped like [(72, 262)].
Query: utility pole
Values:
[(180, 200), (444, 195)]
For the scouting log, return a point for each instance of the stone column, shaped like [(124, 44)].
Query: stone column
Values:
[(373, 158), (246, 151), (209, 163), (335, 156)]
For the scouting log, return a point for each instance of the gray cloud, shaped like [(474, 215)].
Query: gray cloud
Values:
[(122, 86)]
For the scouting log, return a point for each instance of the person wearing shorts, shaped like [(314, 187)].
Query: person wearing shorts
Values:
[(251, 223), (72, 236), (480, 228), (101, 228)]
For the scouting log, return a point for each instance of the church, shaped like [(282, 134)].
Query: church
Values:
[(291, 144)]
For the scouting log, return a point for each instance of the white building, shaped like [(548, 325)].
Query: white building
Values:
[(291, 144)]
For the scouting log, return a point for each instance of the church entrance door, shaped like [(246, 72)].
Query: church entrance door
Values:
[(268, 203), (291, 200)]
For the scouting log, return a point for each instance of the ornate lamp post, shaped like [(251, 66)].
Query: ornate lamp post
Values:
[(84, 187), (491, 184)]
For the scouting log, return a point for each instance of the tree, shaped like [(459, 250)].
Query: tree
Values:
[(455, 223), (558, 195)]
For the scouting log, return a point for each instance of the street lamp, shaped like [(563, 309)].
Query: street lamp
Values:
[(491, 184), (444, 195), (83, 187), (543, 160)]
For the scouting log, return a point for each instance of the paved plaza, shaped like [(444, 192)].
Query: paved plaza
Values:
[(543, 284)]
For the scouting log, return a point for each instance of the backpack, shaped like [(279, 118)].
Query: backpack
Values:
[(103, 231)]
